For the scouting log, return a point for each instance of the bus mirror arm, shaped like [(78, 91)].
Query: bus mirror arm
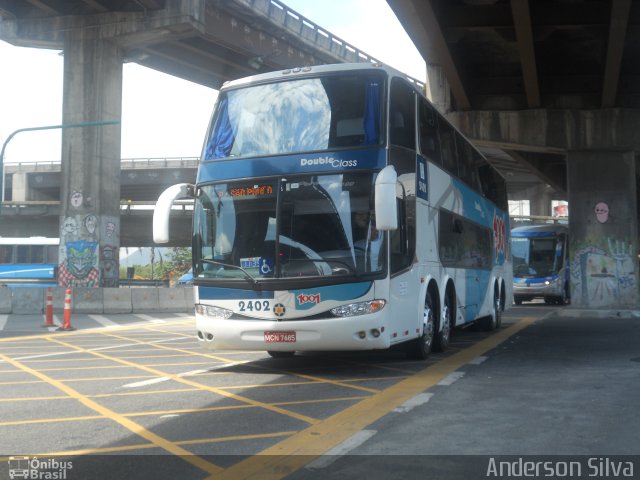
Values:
[(385, 199), (163, 209)]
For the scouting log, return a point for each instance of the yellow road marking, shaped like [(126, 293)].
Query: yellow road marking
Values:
[(291, 454), (145, 446), (197, 385), (92, 331), (125, 422), (259, 367)]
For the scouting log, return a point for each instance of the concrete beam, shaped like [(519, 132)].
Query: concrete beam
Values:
[(552, 130)]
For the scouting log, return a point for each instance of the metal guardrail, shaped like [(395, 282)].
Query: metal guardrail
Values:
[(305, 29), (28, 281), (125, 163), (130, 282)]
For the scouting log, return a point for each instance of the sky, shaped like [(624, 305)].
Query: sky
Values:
[(164, 116)]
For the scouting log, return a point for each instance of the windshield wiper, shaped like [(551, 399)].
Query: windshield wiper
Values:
[(247, 275)]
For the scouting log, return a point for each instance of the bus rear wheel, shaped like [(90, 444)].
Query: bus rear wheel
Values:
[(443, 334), (420, 348)]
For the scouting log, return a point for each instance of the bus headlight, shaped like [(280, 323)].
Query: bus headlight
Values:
[(360, 308), (213, 312)]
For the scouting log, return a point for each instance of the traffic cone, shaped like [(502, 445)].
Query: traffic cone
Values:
[(66, 325), (48, 318)]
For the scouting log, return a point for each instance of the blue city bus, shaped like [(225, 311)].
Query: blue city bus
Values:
[(541, 263), (28, 261), (336, 209)]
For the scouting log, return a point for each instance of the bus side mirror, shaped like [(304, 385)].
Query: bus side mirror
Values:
[(385, 199), (163, 209)]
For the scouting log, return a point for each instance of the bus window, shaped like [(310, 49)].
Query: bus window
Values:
[(448, 147), (428, 121), (23, 254), (467, 169), (402, 126), (6, 254)]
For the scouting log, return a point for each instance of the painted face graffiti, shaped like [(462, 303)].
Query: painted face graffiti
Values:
[(81, 258), (602, 212)]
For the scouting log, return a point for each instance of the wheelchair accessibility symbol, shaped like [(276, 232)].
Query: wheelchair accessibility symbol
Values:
[(266, 266)]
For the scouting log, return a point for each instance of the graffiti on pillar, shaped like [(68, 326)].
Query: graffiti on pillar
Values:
[(69, 227), (602, 212), (604, 274), (90, 223), (109, 229), (79, 265), (109, 265), (76, 198)]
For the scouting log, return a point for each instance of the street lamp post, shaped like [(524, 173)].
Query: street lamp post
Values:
[(47, 127)]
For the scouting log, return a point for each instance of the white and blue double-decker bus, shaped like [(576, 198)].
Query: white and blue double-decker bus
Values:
[(541, 263), (336, 209)]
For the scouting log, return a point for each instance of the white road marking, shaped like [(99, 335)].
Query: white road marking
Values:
[(152, 381), (3, 321), (414, 402), (144, 383), (104, 321), (148, 318), (478, 360), (341, 449), (450, 379)]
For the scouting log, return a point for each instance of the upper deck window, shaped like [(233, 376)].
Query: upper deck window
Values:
[(302, 115)]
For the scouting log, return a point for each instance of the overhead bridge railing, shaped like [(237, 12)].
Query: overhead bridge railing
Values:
[(303, 28)]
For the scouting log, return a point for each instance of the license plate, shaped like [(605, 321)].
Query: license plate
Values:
[(279, 337)]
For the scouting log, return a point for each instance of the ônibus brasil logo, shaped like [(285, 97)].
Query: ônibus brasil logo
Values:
[(333, 162)]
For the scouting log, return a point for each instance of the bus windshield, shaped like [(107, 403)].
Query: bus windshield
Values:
[(288, 228), (535, 257), (307, 114)]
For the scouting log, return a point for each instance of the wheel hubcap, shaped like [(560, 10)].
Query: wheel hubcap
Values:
[(427, 328), (446, 326)]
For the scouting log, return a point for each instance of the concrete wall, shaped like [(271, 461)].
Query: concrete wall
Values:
[(32, 300), (603, 229)]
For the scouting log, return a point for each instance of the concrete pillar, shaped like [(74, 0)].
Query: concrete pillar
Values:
[(540, 202), (19, 187), (603, 229), (438, 90), (90, 189)]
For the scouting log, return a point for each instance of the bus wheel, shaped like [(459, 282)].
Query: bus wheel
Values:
[(443, 335), (494, 320), (420, 348), (276, 354)]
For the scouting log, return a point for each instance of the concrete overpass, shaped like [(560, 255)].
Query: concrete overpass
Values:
[(203, 41), (32, 206), (550, 87)]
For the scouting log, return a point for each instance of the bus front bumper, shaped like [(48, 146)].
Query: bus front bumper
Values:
[(361, 332)]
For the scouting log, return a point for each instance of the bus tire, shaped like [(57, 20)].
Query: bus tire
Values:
[(277, 354), (443, 332), (420, 348), (494, 320)]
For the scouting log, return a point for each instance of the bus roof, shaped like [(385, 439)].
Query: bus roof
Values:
[(29, 241), (318, 69), (539, 230)]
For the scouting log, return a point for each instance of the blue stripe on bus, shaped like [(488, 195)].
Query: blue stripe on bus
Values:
[(25, 270), (217, 293), (325, 162)]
